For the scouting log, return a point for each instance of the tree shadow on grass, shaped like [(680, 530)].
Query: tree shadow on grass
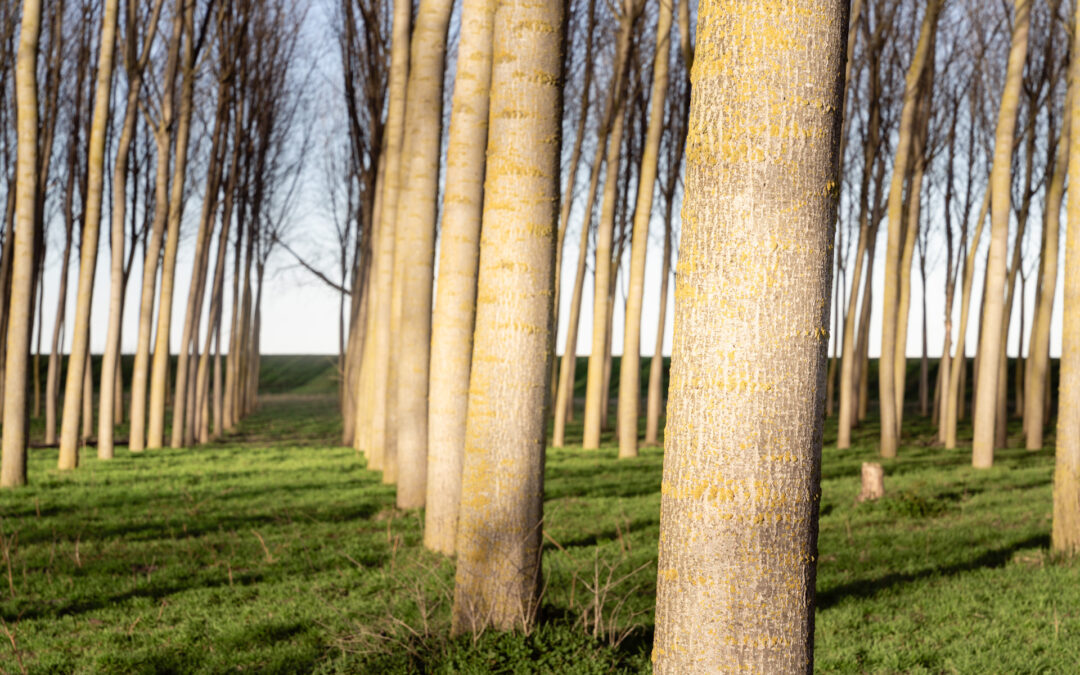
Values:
[(867, 588)]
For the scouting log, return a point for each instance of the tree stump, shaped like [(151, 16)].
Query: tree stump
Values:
[(873, 482)]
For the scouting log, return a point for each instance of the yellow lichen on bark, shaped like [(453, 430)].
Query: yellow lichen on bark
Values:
[(455, 304), (740, 490), (499, 535)]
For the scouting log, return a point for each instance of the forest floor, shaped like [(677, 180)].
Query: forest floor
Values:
[(274, 550)]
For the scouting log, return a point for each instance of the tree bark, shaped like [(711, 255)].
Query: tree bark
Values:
[(738, 516), (630, 366), (80, 341), (499, 534), (13, 453), (455, 306), (990, 343)]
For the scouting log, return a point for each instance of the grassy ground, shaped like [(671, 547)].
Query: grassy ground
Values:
[(273, 550)]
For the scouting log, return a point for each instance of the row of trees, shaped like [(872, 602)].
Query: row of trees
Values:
[(147, 101)]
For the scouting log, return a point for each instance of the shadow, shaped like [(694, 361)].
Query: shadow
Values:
[(863, 589)]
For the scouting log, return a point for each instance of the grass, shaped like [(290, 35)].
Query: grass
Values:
[(274, 550)]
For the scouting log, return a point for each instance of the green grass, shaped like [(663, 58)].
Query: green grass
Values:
[(274, 550)]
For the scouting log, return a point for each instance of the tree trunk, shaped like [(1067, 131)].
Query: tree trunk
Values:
[(13, 459), (499, 534), (751, 316), (1065, 536), (630, 367), (88, 246), (892, 347), (655, 400), (990, 343), (416, 216), (383, 456), (455, 307), (155, 436), (605, 233), (162, 141)]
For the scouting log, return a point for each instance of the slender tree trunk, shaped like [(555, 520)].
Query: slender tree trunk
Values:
[(630, 366), (1065, 537), (954, 400), (13, 459), (162, 141), (416, 216), (455, 307), (892, 347), (656, 366), (499, 534), (52, 377), (594, 394), (751, 271), (383, 456), (80, 342), (155, 436), (990, 344), (1038, 370)]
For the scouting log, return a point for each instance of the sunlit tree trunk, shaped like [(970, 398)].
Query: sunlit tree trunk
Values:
[(17, 348), (499, 534), (1065, 537), (80, 341), (1038, 367), (382, 434), (736, 571), (654, 402), (416, 217), (455, 306), (891, 295), (155, 435), (990, 343), (630, 366), (163, 144), (594, 392)]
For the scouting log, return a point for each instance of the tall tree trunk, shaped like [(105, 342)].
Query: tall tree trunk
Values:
[(499, 534), (630, 366), (155, 435), (594, 394), (1038, 367), (148, 295), (455, 307), (1065, 536), (416, 216), (382, 454), (13, 457), (654, 401), (892, 348), (80, 341), (754, 287), (954, 399), (990, 343), (52, 377)]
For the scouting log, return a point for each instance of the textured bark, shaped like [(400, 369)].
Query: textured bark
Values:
[(499, 537), (416, 214), (17, 347), (455, 306), (155, 430), (382, 456), (891, 295), (630, 366), (739, 505), (1065, 535), (1038, 367), (605, 234), (88, 247), (990, 342)]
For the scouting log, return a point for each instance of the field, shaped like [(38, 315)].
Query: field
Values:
[(274, 550)]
